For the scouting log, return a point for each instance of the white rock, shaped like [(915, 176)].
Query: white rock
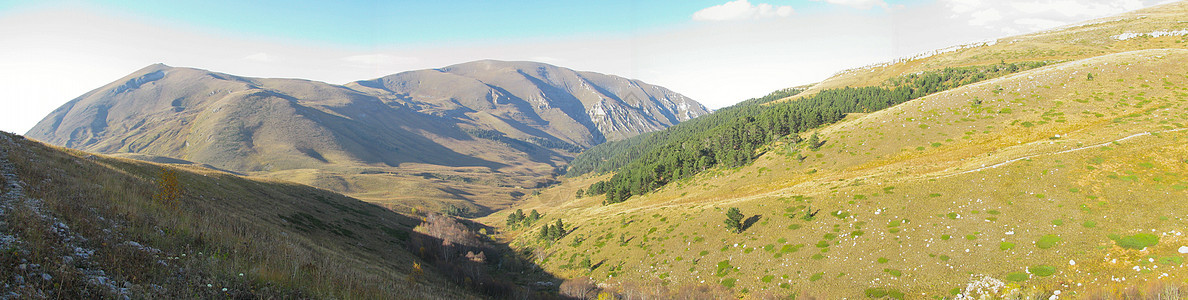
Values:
[(1184, 249), (1072, 263)]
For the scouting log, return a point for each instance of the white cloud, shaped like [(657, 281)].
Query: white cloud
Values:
[(52, 56), (547, 59), (859, 4), (380, 59), (741, 10), (984, 17), (1017, 16), (1036, 24), (260, 57)]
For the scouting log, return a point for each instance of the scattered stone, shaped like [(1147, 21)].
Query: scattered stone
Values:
[(1184, 249)]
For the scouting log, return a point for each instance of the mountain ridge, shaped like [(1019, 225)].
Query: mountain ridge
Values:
[(516, 123)]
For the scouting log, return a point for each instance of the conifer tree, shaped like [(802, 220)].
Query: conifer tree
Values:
[(733, 220)]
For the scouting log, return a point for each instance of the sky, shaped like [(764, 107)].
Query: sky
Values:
[(717, 52)]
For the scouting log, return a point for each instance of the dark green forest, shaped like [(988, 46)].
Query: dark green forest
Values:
[(734, 136), (611, 156)]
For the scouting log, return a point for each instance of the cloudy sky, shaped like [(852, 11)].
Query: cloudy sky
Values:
[(715, 51)]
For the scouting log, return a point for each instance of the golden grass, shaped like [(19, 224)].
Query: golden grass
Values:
[(227, 236), (1073, 42), (1081, 187)]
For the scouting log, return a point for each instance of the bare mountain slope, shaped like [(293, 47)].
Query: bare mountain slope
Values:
[(583, 108), (476, 131)]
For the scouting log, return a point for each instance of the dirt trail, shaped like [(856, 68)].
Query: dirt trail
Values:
[(1058, 152), (809, 184)]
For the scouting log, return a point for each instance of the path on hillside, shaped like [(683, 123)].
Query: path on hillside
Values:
[(1058, 152), (779, 192), (783, 191)]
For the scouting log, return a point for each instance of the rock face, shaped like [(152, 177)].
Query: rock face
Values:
[(583, 108), (427, 116)]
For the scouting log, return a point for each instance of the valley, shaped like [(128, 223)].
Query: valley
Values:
[(1045, 165)]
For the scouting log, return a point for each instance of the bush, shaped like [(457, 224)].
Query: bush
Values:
[(1042, 270), (580, 288), (1047, 241), (1137, 241)]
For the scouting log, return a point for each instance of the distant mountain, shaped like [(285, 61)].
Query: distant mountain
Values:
[(495, 124), (583, 108)]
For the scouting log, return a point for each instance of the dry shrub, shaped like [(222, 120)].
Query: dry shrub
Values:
[(580, 288)]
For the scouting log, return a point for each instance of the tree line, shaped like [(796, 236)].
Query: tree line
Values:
[(736, 135)]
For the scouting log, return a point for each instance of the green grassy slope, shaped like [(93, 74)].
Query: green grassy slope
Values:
[(1047, 180), (76, 225)]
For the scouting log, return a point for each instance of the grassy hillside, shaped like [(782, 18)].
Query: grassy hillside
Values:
[(76, 225), (1150, 28), (737, 135), (1050, 180)]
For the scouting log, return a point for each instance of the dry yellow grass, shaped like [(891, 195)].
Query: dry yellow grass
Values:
[(1072, 42), (935, 187), (88, 226)]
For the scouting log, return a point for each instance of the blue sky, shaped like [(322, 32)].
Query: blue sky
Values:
[(717, 52), (385, 23)]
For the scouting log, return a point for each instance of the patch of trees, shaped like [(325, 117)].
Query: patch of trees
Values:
[(518, 219), (466, 258), (529, 143), (552, 232), (611, 156), (554, 144), (654, 288), (925, 83), (736, 135)]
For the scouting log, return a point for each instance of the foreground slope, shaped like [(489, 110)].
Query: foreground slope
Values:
[(75, 225), (472, 136), (1066, 178)]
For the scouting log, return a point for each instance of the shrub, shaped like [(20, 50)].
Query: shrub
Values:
[(1042, 270), (1047, 241), (1137, 241)]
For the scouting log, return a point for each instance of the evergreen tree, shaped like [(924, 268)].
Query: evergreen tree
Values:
[(586, 264), (533, 216), (578, 194), (545, 231), (558, 230), (733, 220), (515, 218), (814, 142)]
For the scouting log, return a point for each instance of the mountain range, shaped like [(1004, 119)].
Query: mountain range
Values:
[(1040, 166), (484, 128)]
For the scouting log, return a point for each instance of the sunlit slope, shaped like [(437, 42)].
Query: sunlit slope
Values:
[(82, 226), (1150, 28), (1031, 170)]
